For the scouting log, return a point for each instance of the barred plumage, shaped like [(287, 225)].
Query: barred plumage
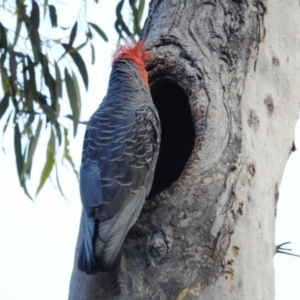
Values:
[(120, 152)]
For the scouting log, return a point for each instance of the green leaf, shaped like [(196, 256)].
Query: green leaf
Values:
[(67, 154), (35, 41), (76, 86), (32, 147), (141, 10), (3, 58), (52, 89), (35, 15), (3, 40), (58, 133), (26, 191), (136, 25), (79, 63), (58, 182), (18, 151), (4, 105), (42, 59), (31, 71), (44, 63), (32, 26), (93, 53), (53, 15), (5, 80), (74, 97), (50, 160), (73, 35), (99, 31), (79, 47), (49, 80), (6, 123), (58, 81), (12, 66), (27, 127), (17, 31), (137, 15), (120, 24), (49, 113), (26, 90)]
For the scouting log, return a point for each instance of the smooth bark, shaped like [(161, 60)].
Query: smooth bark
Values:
[(210, 235)]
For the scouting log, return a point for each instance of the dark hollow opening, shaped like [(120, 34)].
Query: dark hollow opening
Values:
[(178, 133)]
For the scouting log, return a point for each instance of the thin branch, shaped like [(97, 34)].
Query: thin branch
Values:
[(281, 250)]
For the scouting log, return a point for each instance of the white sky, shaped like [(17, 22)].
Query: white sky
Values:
[(38, 238)]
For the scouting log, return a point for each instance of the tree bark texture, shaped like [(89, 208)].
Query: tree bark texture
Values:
[(210, 235)]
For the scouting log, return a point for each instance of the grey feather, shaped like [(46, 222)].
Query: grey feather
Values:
[(119, 155)]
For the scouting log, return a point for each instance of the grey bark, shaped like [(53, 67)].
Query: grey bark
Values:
[(211, 234)]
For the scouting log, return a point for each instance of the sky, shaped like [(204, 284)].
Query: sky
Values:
[(38, 238)]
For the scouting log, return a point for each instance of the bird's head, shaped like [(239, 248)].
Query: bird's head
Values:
[(137, 54)]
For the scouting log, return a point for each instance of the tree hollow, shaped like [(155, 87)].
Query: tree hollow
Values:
[(178, 133)]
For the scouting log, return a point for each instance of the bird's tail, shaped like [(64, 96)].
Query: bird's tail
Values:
[(112, 232), (86, 260)]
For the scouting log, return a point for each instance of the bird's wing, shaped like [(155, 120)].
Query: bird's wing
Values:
[(120, 152)]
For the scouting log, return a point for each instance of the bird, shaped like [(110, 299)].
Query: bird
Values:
[(120, 152)]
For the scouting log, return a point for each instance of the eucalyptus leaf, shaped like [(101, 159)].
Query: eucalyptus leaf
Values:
[(49, 113), (141, 9), (31, 71), (50, 160), (93, 53), (3, 39), (18, 151), (79, 47), (58, 182), (6, 123), (53, 15), (29, 122), (58, 133), (35, 15), (4, 105), (120, 24), (2, 58), (35, 41), (5, 81), (18, 29), (73, 35), (99, 31), (58, 81), (74, 97), (49, 80), (13, 66), (32, 147), (67, 154), (80, 65)]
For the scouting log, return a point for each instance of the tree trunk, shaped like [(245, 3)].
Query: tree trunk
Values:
[(225, 79)]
